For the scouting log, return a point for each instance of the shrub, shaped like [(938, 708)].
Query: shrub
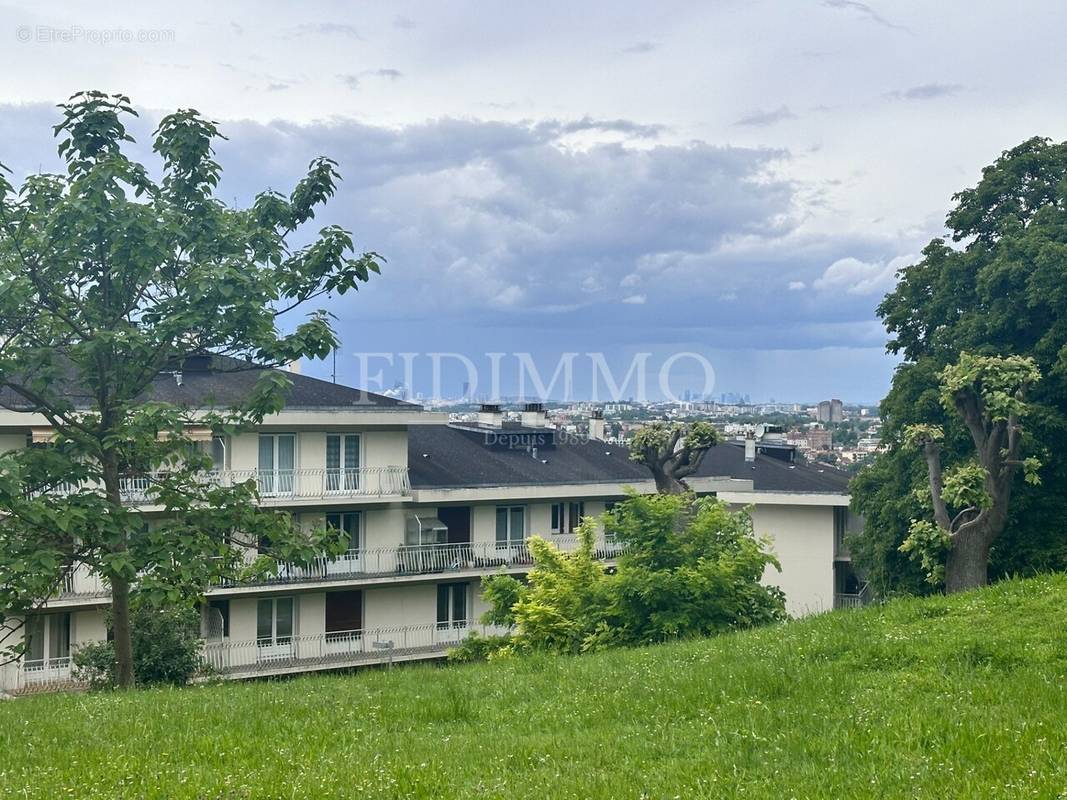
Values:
[(166, 650), (478, 648)]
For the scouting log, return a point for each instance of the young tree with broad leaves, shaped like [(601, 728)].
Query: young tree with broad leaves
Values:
[(970, 501), (109, 278), (673, 452)]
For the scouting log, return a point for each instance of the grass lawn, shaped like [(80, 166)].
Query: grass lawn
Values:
[(940, 698)]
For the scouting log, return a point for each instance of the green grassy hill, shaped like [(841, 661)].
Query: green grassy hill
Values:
[(940, 698)]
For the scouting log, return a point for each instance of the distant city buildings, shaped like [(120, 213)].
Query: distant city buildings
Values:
[(831, 411)]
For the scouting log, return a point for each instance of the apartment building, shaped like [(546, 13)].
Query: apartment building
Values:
[(429, 507)]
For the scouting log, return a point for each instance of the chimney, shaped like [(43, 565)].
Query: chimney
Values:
[(490, 414), (750, 446), (597, 428), (534, 416)]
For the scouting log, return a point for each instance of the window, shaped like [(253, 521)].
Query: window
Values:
[(567, 516), (277, 462), (351, 522), (510, 525), (218, 453), (218, 621), (47, 639), (344, 612), (342, 462), (451, 605), (274, 620)]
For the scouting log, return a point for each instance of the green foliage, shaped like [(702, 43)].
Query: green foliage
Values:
[(166, 650), (928, 544), (939, 698), (689, 567), (965, 486), (109, 278), (999, 382), (501, 593), (1002, 290), (479, 648)]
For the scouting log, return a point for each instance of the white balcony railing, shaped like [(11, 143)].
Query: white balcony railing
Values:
[(336, 649), (402, 560), (294, 484), (423, 559), (43, 675)]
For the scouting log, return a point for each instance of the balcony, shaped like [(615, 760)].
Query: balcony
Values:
[(427, 559), (338, 649), (42, 675), (280, 486)]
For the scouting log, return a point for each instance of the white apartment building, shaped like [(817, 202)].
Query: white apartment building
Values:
[(430, 508)]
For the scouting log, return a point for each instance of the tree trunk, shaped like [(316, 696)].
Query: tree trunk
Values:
[(120, 625), (120, 591), (667, 484), (967, 566)]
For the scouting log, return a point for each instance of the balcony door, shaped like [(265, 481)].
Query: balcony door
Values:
[(48, 643), (342, 462), (351, 522), (277, 463), (274, 627), (452, 603)]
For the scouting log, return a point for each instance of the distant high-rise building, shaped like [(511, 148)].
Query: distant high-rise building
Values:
[(831, 411)]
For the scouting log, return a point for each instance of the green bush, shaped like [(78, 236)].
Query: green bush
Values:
[(689, 567), (478, 648), (166, 650)]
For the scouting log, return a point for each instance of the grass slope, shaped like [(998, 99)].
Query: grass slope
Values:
[(940, 698)]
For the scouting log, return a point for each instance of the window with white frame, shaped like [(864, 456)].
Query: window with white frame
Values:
[(567, 516), (47, 640), (342, 462), (510, 525), (451, 605), (277, 462), (351, 522), (274, 620)]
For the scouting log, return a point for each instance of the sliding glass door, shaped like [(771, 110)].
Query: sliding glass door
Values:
[(342, 462), (277, 463)]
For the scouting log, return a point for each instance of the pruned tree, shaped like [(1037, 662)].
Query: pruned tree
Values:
[(673, 452), (970, 501), (109, 278)]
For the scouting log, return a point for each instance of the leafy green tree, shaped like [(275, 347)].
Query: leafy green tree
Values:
[(673, 452), (1000, 290), (108, 279), (970, 501), (689, 567)]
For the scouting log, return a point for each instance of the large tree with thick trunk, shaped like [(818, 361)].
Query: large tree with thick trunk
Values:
[(996, 284), (970, 501), (673, 451), (108, 278)]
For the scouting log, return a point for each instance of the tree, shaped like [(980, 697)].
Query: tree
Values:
[(688, 567), (673, 452), (970, 502), (109, 280), (998, 287)]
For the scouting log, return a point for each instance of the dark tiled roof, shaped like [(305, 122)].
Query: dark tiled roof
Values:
[(205, 389), (229, 382), (443, 456), (771, 474)]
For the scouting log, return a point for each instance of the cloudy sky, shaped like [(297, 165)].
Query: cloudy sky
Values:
[(735, 179)]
